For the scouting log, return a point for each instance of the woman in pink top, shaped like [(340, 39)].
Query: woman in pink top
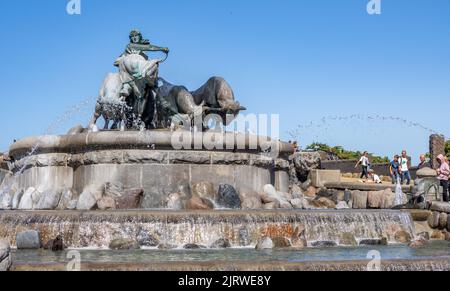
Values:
[(443, 174)]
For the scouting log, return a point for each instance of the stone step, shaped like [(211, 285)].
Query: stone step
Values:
[(366, 186)]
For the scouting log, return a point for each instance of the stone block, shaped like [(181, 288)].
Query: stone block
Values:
[(28, 240), (359, 199), (320, 177)]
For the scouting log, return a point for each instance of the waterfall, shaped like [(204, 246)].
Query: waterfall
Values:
[(241, 228)]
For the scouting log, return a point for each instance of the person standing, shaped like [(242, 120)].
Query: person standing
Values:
[(423, 162), (364, 162), (404, 168), (443, 175), (395, 170)]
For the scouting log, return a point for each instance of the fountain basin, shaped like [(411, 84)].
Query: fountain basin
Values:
[(156, 139), (148, 160)]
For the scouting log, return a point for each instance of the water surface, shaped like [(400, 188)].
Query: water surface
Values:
[(435, 250)]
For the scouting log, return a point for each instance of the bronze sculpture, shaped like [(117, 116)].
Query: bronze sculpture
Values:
[(137, 98)]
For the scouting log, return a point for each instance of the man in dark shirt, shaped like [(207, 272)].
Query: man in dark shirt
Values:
[(395, 170), (423, 162)]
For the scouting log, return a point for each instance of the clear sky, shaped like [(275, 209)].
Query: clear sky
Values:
[(303, 60)]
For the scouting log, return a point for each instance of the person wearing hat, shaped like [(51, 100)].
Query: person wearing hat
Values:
[(139, 45)]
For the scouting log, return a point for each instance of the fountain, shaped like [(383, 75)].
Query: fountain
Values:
[(398, 194), (161, 178)]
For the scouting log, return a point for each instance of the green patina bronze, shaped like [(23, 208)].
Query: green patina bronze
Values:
[(139, 45)]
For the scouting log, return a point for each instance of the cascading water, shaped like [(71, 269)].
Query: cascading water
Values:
[(398, 194), (372, 130), (241, 228), (62, 118), (329, 120)]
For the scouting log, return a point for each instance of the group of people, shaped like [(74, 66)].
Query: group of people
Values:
[(400, 170)]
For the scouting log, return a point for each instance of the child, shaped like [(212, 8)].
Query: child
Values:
[(374, 177), (395, 170)]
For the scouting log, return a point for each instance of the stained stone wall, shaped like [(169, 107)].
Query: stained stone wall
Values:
[(437, 147), (158, 172), (149, 160), (44, 178)]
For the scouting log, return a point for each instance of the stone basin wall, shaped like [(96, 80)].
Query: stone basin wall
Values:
[(440, 217), (144, 160), (158, 172)]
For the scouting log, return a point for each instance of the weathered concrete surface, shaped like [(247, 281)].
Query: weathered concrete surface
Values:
[(148, 156), (43, 178), (158, 172), (320, 178), (161, 180)]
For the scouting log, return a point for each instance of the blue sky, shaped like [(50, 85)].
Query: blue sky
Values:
[(303, 60)]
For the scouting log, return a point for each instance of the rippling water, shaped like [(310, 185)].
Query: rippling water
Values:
[(434, 250)]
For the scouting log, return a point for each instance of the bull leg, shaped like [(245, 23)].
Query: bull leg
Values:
[(126, 119), (106, 127), (186, 103), (115, 124), (96, 116)]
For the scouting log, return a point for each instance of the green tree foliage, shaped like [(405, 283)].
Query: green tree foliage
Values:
[(344, 154)]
